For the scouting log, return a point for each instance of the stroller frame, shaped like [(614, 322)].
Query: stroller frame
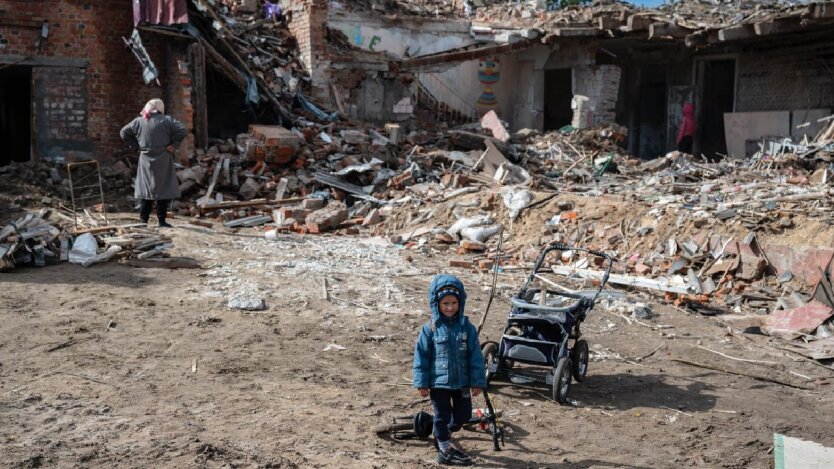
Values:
[(538, 333)]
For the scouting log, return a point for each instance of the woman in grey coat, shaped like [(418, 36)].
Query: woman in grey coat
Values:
[(157, 137)]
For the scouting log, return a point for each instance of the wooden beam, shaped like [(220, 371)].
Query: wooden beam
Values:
[(197, 55), (663, 30), (249, 203), (608, 22), (44, 61), (574, 32), (734, 33), (788, 25), (638, 22), (463, 55), (627, 280), (698, 38)]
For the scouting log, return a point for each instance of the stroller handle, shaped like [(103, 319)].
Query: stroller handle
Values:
[(564, 247)]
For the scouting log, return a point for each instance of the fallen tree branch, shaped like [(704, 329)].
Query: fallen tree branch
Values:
[(760, 378)]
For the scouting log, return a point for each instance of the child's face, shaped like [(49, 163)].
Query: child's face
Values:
[(449, 306)]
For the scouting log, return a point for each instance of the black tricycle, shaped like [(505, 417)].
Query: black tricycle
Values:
[(421, 425), (543, 328)]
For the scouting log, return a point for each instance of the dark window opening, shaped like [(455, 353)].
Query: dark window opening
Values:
[(558, 93), (228, 112), (718, 98), (651, 106), (15, 114)]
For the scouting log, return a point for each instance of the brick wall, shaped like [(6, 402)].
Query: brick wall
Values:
[(785, 78), (178, 93), (308, 23), (60, 102), (92, 30), (601, 85)]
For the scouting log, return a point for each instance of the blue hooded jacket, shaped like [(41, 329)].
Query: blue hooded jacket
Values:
[(448, 352)]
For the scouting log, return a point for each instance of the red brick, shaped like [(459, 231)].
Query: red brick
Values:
[(462, 263)]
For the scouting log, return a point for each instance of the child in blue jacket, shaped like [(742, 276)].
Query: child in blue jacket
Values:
[(449, 365)]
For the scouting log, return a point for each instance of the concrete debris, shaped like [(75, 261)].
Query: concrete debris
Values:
[(802, 320), (247, 303)]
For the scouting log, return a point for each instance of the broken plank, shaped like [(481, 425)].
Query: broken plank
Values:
[(627, 280), (608, 22), (734, 33), (249, 203), (217, 168), (663, 30), (767, 28), (738, 373), (638, 22), (576, 32)]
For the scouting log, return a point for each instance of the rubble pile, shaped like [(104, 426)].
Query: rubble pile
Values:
[(612, 14), (422, 8), (44, 238), (47, 183), (240, 37)]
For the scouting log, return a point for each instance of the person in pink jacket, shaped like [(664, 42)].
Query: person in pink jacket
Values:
[(686, 132)]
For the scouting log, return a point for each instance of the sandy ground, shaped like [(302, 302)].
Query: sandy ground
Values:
[(113, 366)]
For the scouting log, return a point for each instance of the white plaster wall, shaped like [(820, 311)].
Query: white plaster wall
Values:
[(520, 92), (403, 39)]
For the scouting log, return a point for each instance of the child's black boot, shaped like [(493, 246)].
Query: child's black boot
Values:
[(453, 457)]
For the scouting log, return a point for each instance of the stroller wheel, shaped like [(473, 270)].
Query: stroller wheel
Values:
[(579, 358), (561, 381), (490, 352)]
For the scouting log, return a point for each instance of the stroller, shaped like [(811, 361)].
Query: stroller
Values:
[(540, 328)]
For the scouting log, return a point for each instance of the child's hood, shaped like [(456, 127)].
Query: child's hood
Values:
[(438, 283)]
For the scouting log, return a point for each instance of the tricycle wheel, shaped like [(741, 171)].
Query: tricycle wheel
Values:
[(561, 381), (490, 352), (579, 358)]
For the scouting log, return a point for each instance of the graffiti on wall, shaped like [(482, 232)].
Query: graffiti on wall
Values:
[(359, 40), (488, 76)]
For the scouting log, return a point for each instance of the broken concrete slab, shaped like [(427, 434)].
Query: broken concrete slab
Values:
[(805, 263), (247, 303), (802, 320), (326, 219)]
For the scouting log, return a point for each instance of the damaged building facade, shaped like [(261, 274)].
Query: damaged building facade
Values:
[(751, 72), (68, 82)]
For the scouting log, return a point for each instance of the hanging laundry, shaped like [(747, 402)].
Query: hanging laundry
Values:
[(164, 12)]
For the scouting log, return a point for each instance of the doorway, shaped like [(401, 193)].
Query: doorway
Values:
[(228, 112), (718, 79), (652, 110), (558, 94), (15, 114)]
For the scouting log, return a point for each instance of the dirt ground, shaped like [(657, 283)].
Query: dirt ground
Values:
[(113, 366)]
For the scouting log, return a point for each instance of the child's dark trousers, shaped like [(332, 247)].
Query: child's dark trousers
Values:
[(452, 409)]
